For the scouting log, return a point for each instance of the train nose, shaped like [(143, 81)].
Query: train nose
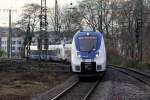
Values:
[(88, 67)]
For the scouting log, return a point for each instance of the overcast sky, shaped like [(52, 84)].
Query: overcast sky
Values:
[(17, 4)]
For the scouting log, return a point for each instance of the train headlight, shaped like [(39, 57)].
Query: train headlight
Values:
[(99, 67), (77, 68), (97, 54)]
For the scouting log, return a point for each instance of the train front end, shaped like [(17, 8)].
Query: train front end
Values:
[(88, 55)]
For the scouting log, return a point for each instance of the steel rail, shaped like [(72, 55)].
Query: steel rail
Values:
[(138, 72), (129, 74), (86, 97), (91, 91), (64, 91)]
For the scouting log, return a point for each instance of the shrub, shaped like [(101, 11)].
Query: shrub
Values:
[(113, 57)]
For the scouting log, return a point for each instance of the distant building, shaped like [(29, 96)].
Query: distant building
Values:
[(18, 38), (16, 44), (4, 44)]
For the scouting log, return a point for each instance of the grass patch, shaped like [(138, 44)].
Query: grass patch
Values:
[(115, 59), (23, 87), (28, 78), (138, 65)]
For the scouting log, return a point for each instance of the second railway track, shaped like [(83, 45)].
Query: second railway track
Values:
[(144, 78), (77, 91)]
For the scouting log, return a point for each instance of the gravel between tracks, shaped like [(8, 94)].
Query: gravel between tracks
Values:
[(113, 86), (118, 86), (48, 95), (78, 92)]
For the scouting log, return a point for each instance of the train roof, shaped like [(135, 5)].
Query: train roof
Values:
[(80, 33), (53, 47)]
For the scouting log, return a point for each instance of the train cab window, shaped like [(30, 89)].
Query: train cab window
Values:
[(88, 43)]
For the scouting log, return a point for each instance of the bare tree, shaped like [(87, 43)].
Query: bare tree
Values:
[(29, 22)]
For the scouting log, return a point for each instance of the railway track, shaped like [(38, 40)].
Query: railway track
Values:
[(77, 91), (142, 77)]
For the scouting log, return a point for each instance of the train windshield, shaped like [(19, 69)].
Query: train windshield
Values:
[(88, 43)]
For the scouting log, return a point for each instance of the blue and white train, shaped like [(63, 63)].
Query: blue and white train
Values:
[(55, 53), (88, 54)]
